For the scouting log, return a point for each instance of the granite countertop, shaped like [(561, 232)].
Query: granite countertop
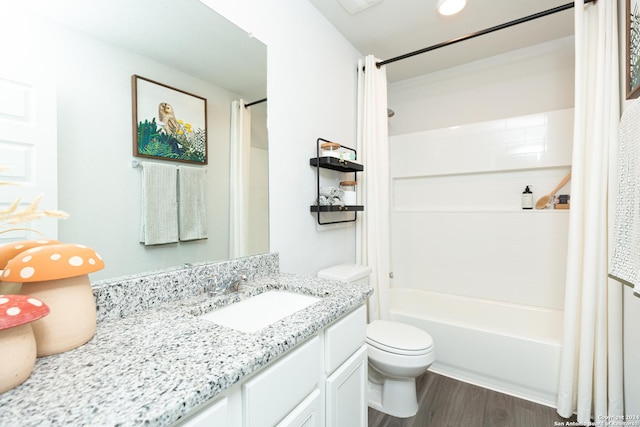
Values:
[(155, 366)]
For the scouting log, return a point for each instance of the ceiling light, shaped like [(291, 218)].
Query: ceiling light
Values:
[(357, 6), (451, 7)]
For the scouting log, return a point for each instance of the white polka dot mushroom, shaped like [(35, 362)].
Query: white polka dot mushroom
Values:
[(10, 250), (58, 275), (18, 344)]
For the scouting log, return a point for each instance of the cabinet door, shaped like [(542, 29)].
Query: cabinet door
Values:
[(306, 414), (214, 415), (347, 392)]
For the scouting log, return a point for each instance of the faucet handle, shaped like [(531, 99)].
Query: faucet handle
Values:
[(216, 287), (243, 274), (239, 276)]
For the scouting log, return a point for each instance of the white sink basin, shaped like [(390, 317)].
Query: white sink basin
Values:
[(260, 311)]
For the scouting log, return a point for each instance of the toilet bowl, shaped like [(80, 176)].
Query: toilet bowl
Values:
[(397, 353)]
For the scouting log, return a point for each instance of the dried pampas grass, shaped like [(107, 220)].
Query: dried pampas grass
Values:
[(16, 215)]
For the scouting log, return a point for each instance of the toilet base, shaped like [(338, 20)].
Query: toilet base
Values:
[(396, 397)]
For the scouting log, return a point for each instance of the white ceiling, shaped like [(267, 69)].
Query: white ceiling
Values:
[(388, 29), (183, 34), (395, 27)]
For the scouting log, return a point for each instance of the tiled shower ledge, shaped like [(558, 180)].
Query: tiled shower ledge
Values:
[(152, 360)]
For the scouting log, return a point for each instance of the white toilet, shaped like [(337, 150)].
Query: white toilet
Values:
[(397, 353)]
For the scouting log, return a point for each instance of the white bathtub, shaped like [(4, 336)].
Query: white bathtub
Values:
[(510, 348)]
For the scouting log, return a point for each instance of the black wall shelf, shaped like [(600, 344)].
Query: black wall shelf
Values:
[(339, 165), (336, 164), (351, 208)]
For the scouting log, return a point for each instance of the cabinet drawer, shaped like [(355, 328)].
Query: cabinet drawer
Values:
[(272, 394), (344, 337)]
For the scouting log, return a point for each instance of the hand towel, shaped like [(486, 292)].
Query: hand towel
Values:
[(625, 261), (159, 204), (192, 208)]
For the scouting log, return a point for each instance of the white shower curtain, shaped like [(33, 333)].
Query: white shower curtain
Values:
[(591, 364), (372, 231), (240, 152)]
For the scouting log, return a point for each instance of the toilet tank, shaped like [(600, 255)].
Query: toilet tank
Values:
[(347, 273)]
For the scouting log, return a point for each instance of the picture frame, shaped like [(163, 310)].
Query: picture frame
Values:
[(168, 123), (633, 49)]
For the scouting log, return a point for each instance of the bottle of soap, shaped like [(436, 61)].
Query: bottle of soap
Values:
[(527, 198)]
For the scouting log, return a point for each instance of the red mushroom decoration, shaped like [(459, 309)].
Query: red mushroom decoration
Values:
[(10, 250), (58, 275), (18, 344)]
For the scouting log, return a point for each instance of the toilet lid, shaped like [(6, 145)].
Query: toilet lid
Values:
[(398, 338)]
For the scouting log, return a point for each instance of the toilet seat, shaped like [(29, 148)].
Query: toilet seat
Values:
[(399, 338)]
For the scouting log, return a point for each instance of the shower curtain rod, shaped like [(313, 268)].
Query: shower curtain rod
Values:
[(481, 32), (255, 102)]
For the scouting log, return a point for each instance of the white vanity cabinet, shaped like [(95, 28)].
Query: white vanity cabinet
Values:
[(321, 382)]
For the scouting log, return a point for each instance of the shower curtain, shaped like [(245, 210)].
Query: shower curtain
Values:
[(240, 152), (372, 230), (591, 364)]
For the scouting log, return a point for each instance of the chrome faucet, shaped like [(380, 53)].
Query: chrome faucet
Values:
[(215, 287), (220, 288)]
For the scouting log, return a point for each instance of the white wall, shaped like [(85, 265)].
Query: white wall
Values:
[(311, 90)]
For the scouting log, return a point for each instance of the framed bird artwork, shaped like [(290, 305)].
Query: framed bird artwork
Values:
[(168, 123)]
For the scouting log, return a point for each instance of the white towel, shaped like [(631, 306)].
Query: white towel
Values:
[(192, 208), (159, 204), (625, 262)]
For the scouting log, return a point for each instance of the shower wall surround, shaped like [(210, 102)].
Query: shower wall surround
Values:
[(457, 222)]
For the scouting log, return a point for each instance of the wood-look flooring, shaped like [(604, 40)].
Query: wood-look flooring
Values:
[(445, 402)]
